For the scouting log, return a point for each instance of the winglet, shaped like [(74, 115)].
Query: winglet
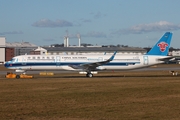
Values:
[(112, 57)]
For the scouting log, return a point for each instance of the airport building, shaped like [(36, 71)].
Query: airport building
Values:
[(2, 49), (21, 48), (90, 50), (9, 50)]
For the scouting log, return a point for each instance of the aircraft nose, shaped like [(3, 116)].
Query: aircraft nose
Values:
[(6, 64)]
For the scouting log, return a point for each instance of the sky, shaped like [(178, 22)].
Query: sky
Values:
[(137, 23)]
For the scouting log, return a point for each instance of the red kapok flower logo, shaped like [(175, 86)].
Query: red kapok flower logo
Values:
[(162, 46)]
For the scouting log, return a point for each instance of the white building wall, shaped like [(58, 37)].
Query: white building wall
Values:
[(175, 53), (2, 41), (92, 53), (42, 50), (2, 55), (2, 49)]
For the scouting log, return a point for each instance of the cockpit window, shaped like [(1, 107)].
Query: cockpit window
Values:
[(13, 60)]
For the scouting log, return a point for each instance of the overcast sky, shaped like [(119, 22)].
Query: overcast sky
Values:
[(138, 23)]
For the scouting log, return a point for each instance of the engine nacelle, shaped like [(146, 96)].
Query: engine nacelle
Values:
[(93, 72), (22, 71), (100, 68)]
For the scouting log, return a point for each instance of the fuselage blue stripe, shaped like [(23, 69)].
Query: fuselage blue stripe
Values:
[(20, 64)]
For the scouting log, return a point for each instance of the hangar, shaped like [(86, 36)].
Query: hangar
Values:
[(9, 50), (93, 50)]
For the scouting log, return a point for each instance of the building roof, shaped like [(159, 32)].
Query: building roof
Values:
[(40, 49), (89, 49), (20, 44)]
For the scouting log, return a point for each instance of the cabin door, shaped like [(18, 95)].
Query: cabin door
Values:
[(24, 61), (58, 61), (146, 60)]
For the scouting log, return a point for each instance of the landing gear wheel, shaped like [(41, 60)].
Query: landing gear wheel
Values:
[(17, 76), (89, 75)]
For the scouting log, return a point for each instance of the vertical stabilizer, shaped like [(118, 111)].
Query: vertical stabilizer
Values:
[(162, 46)]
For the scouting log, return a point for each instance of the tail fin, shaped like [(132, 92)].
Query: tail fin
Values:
[(162, 46)]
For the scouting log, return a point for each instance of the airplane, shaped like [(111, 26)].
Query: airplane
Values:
[(90, 64)]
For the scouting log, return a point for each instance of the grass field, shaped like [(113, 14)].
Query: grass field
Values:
[(132, 95)]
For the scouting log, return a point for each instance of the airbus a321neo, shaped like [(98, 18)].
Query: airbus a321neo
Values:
[(89, 64)]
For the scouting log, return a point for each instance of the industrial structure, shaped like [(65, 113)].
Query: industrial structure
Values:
[(9, 50), (91, 50)]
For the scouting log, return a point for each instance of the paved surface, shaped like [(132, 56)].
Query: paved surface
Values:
[(65, 71)]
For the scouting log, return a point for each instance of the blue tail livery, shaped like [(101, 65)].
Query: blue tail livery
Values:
[(162, 46)]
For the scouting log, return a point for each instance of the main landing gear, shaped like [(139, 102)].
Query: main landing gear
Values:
[(89, 75)]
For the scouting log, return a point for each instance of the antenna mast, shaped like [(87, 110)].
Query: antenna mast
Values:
[(79, 37)]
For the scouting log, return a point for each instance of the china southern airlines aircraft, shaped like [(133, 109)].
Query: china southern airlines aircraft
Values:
[(90, 64)]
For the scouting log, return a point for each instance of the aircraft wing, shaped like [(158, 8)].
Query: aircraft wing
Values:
[(92, 66)]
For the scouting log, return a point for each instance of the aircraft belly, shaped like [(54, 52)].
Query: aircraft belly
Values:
[(67, 68), (118, 67), (45, 68)]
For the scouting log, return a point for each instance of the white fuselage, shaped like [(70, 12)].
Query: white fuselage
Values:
[(62, 62)]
